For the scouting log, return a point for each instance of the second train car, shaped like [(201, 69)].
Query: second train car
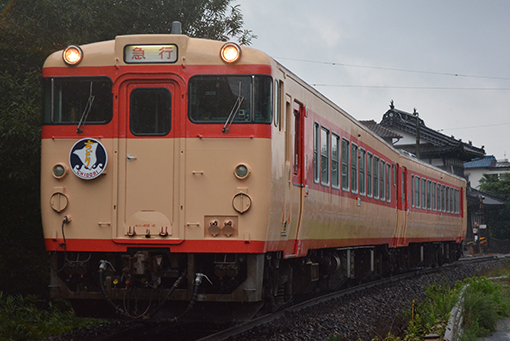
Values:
[(182, 173)]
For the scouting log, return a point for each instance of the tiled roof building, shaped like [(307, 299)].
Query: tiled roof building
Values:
[(438, 149)]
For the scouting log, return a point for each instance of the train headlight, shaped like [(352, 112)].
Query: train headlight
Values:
[(60, 170), (242, 171), (72, 55), (230, 52)]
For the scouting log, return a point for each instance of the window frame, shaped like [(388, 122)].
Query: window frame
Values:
[(325, 156)]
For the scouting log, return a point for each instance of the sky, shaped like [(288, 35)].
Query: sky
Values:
[(449, 59)]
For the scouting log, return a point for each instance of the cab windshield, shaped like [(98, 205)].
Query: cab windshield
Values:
[(245, 99), (77, 100)]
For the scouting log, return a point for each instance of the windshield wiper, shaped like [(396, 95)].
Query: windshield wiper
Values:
[(233, 112), (86, 111)]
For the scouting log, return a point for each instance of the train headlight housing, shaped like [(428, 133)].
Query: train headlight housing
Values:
[(242, 171), (72, 55), (230, 53), (60, 170)]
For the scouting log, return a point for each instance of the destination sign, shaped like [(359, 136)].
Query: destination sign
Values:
[(139, 54)]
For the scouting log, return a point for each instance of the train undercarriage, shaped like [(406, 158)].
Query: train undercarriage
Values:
[(157, 284)]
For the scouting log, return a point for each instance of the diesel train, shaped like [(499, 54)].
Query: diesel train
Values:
[(180, 175)]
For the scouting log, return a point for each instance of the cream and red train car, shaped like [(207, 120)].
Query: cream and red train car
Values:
[(181, 172)]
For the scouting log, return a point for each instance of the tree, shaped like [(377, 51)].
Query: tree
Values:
[(29, 31), (499, 219)]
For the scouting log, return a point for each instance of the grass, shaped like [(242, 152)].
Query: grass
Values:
[(30, 318)]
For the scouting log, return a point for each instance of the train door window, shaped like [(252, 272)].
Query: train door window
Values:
[(443, 206), (417, 191), (362, 167), (335, 161), (429, 191), (316, 164), (297, 140), (278, 85), (434, 196), (382, 180), (388, 182), (324, 156), (354, 168), (369, 175), (424, 194), (150, 111), (345, 165), (376, 177)]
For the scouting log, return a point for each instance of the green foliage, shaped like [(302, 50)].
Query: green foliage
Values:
[(30, 318), (485, 303), (498, 219), (29, 31)]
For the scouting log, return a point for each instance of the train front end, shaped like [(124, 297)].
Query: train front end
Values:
[(156, 173)]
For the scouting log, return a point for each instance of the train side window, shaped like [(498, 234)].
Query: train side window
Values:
[(335, 161), (412, 191), (345, 165), (434, 196), (417, 191), (354, 168), (369, 174), (442, 198), (376, 177), (324, 156), (457, 201), (438, 193), (362, 170), (382, 180), (150, 111), (388, 182), (447, 199), (429, 194), (403, 188), (316, 164), (424, 194)]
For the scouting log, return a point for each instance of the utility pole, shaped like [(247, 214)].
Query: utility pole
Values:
[(415, 113)]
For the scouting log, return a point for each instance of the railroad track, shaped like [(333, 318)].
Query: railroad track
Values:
[(162, 331), (260, 321)]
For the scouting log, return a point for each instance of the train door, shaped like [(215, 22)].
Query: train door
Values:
[(296, 174), (402, 213), (148, 186)]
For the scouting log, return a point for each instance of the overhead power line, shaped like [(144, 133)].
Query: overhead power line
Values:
[(408, 87), (394, 69)]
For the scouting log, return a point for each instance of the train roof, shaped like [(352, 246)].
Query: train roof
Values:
[(190, 51)]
